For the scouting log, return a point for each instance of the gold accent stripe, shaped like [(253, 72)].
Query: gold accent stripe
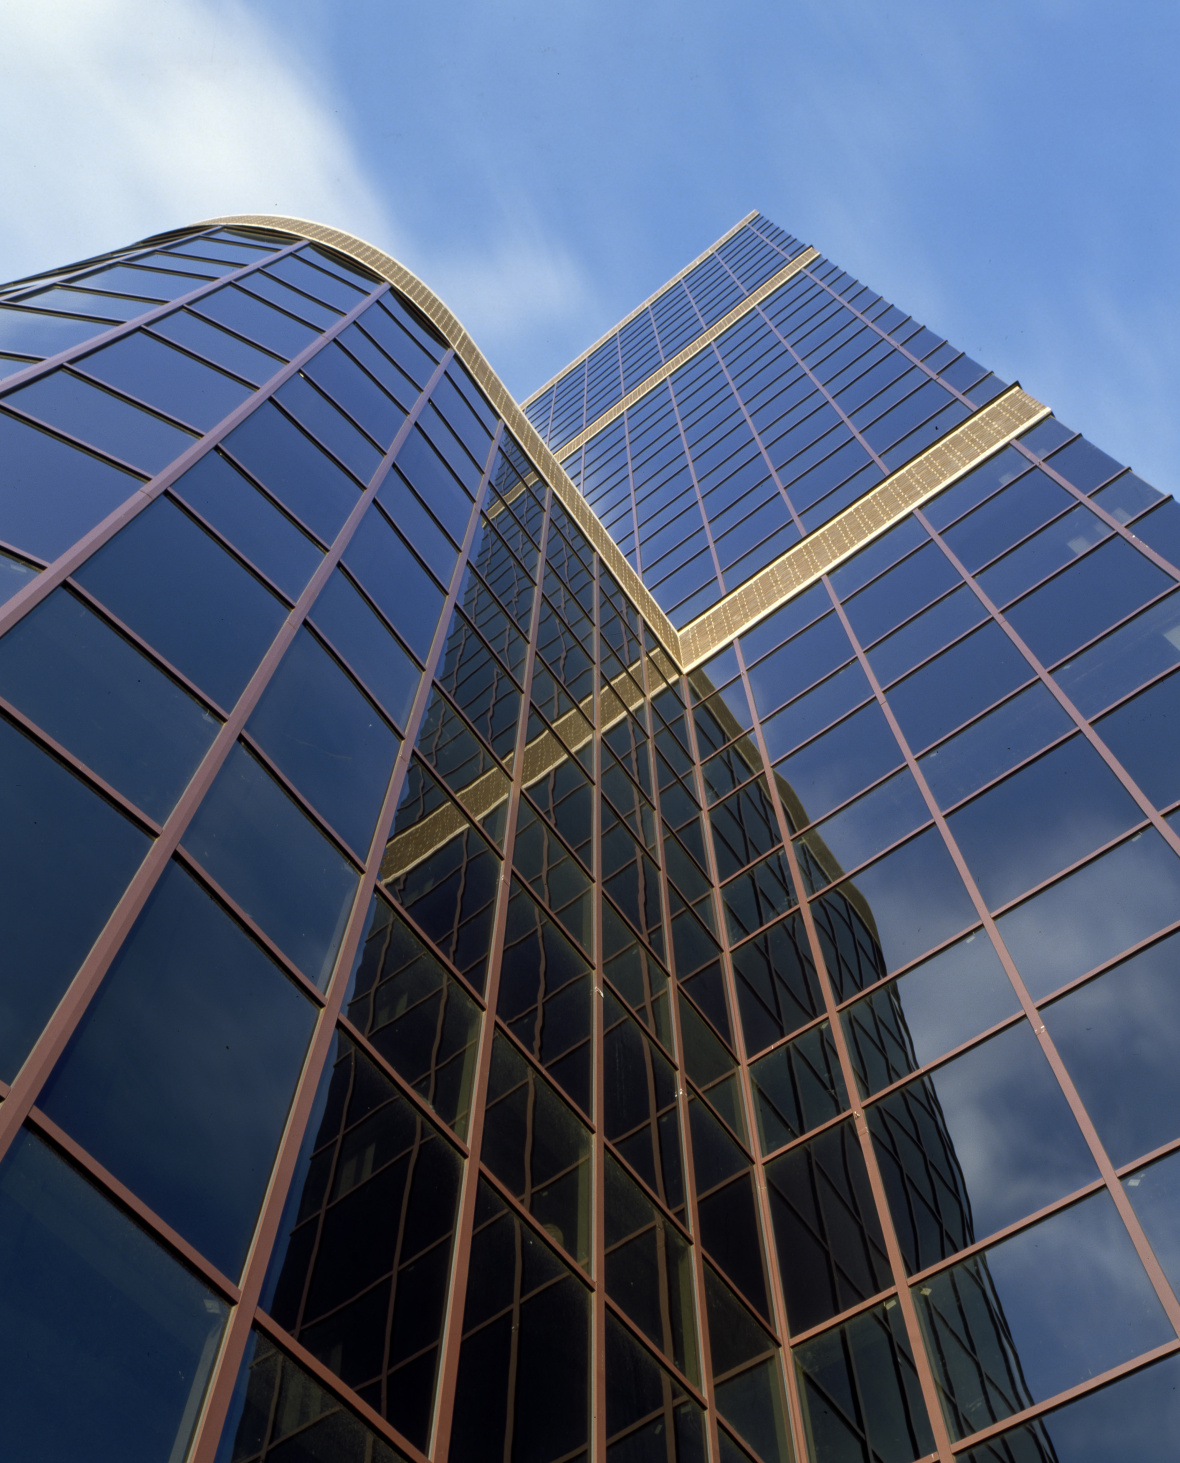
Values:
[(388, 268), (706, 337), (961, 449), (639, 309)]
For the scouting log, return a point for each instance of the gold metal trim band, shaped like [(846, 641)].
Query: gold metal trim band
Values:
[(961, 449), (706, 337), (388, 268), (639, 309)]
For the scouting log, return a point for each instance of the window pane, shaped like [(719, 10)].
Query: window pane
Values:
[(102, 420), (400, 587), (85, 1294), (167, 379), (1042, 1311), (218, 346), (179, 1077), (51, 823), (101, 698), (328, 738), (361, 637), (248, 520), (30, 333), (50, 493), (1143, 734), (248, 316), (957, 685), (167, 580), (289, 464), (267, 854)]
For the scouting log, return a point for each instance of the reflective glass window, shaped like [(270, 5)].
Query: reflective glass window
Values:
[(777, 987), (881, 817), (1144, 646), (926, 633), (1117, 1036), (957, 685), (126, 432), (975, 486), (1142, 734), (337, 373), (976, 1145), (928, 1011), (361, 1265), (50, 823), (1058, 544), (103, 699), (162, 377), (1041, 819), (32, 333), (1054, 1305), (247, 519), (797, 1087), (330, 427), (228, 351), (359, 635), (860, 1391), (838, 764), (1007, 517), (85, 1293), (995, 743), (289, 464), (268, 855), (649, 1414), (399, 586), (1086, 599), (179, 1077), (171, 583), (747, 1369), (799, 663), (328, 738), (899, 593), (51, 493)]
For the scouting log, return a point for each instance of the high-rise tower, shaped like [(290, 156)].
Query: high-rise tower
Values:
[(642, 926)]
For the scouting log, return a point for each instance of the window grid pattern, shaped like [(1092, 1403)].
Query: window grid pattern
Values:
[(753, 994)]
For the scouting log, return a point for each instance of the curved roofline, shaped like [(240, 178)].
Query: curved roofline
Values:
[(386, 267)]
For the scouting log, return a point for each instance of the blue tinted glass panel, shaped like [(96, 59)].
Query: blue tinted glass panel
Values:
[(179, 1077), (400, 587), (102, 699), (1041, 819), (267, 854), (365, 643), (166, 378), (218, 346), (102, 420), (338, 374), (167, 580), (957, 685), (247, 519), (329, 426), (841, 762), (259, 322), (320, 732), (51, 823), (1135, 652), (28, 333), (1144, 734), (84, 1293), (989, 747), (14, 575), (289, 464), (51, 493)]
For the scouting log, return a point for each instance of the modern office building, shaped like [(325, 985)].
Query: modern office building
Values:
[(639, 926)]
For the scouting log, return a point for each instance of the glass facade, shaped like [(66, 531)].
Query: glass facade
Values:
[(444, 1021)]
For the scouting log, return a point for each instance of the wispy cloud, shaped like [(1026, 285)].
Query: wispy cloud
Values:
[(124, 117)]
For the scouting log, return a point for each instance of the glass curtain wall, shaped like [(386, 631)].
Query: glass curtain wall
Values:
[(438, 1025)]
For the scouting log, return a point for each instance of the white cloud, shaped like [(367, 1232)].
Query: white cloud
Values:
[(126, 117)]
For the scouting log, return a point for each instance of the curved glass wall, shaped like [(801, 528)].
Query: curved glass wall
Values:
[(435, 1026)]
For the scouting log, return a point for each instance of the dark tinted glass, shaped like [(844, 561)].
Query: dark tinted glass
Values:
[(330, 427), (84, 1289), (1117, 1035), (352, 388), (328, 738), (926, 633), (101, 698), (957, 685), (217, 345), (860, 1391), (179, 1077), (114, 426), (1143, 736), (166, 378), (899, 593), (50, 823), (1044, 1310), (247, 519), (167, 580), (975, 1146), (1042, 818), (278, 1410), (290, 465), (248, 316), (269, 856), (841, 762), (400, 587), (361, 637), (51, 493), (1130, 655)]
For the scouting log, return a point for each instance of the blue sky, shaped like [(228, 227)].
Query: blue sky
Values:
[(1008, 172)]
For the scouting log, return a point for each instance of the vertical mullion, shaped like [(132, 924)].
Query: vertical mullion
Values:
[(223, 1380), (864, 1138), (598, 1429), (456, 1298), (762, 1197)]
